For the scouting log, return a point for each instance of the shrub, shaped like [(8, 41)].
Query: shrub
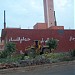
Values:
[(72, 53), (10, 47), (52, 43), (3, 54)]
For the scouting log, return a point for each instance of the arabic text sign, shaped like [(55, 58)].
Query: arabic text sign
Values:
[(72, 38), (19, 39)]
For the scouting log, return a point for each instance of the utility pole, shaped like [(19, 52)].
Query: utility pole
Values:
[(4, 20)]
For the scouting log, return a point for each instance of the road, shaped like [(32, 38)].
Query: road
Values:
[(61, 69)]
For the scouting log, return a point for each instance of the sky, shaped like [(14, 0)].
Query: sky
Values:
[(26, 13)]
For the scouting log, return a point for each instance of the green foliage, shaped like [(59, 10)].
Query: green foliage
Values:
[(44, 58), (15, 58), (72, 53), (32, 53), (4, 54), (52, 43), (10, 47), (58, 57)]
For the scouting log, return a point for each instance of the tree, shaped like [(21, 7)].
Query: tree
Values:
[(52, 43), (10, 47)]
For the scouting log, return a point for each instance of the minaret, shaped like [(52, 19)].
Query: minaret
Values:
[(4, 20), (49, 12)]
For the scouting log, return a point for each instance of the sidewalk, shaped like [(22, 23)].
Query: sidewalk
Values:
[(51, 68)]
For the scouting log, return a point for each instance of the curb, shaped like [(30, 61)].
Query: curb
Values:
[(38, 67)]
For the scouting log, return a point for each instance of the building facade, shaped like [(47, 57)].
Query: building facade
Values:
[(40, 26), (25, 37)]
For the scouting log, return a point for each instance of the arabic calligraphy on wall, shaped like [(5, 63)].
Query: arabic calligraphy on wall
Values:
[(72, 38), (19, 39)]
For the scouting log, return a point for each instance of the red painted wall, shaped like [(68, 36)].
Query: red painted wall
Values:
[(41, 26), (57, 27), (66, 37)]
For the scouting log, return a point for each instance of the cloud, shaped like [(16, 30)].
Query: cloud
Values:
[(62, 5), (36, 4), (65, 12), (24, 12), (22, 7)]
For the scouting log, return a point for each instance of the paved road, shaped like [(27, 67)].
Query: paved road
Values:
[(67, 69)]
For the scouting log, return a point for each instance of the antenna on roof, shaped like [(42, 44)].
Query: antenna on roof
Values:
[(4, 20)]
